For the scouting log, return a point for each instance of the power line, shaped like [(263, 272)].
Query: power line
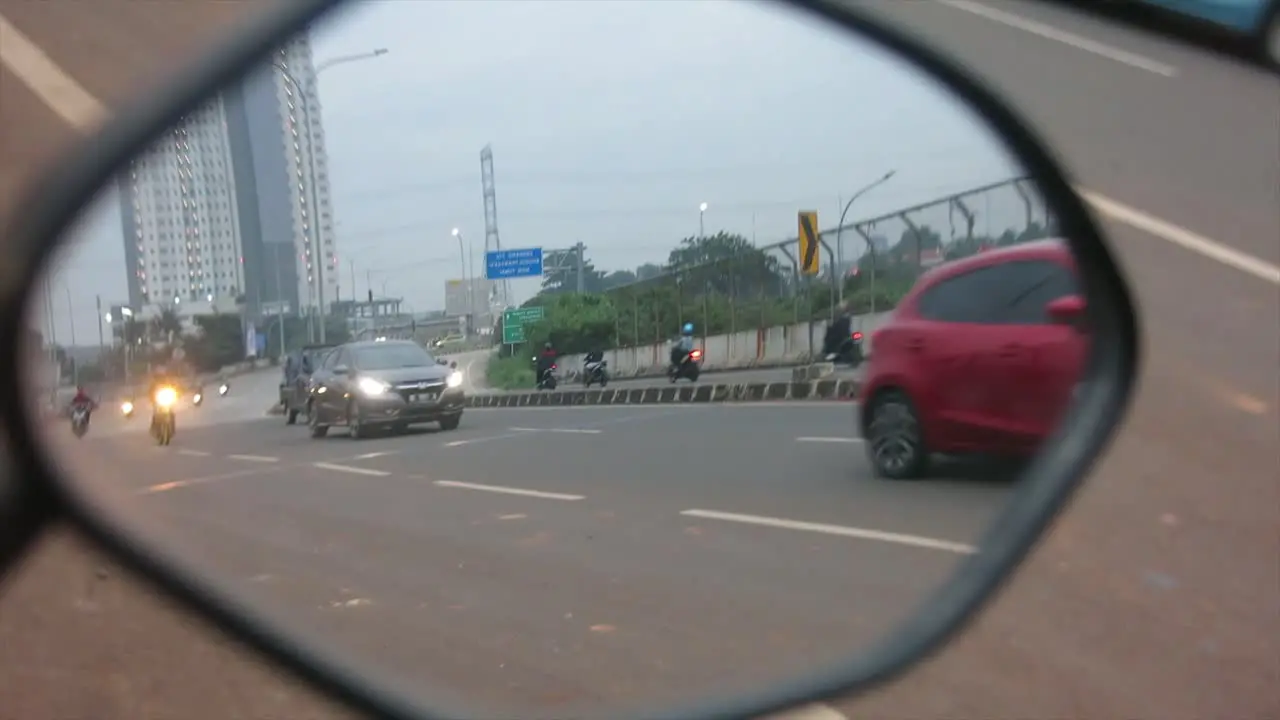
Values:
[(569, 176)]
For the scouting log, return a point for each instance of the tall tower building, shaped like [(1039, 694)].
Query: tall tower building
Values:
[(276, 134), (181, 221), (244, 166)]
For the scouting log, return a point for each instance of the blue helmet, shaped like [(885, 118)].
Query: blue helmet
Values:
[(687, 329)]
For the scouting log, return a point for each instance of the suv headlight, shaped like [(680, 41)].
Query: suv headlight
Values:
[(455, 379), (369, 386)]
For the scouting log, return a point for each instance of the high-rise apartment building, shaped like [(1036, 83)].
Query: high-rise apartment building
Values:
[(251, 186), (181, 221)]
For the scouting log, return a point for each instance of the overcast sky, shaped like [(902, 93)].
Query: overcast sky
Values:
[(610, 123)]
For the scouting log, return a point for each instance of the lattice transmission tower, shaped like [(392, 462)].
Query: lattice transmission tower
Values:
[(491, 239)]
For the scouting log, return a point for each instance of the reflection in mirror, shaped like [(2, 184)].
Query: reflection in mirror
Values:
[(327, 228)]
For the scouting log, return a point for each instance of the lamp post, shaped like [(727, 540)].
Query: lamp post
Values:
[(840, 248), (467, 280), (317, 252)]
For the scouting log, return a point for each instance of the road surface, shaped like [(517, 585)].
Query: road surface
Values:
[(538, 562), (1156, 595)]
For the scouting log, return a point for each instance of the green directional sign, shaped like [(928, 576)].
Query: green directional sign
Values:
[(520, 316), (513, 323)]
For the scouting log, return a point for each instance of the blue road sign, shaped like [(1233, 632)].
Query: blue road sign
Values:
[(524, 262)]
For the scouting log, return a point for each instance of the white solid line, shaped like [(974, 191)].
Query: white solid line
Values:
[(368, 456), (509, 490), (576, 431), (48, 81), (842, 530), (1119, 212), (1076, 41), (161, 487), (349, 469), (194, 453), (829, 439), (813, 711), (254, 458)]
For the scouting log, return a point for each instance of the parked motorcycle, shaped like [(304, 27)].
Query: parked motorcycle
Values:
[(595, 372), (688, 367)]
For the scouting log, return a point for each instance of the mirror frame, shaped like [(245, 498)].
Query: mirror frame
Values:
[(33, 494)]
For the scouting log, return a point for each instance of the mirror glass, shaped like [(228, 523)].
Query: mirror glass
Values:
[(749, 328)]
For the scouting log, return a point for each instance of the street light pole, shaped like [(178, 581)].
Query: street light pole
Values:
[(840, 248), (702, 231), (467, 280), (317, 251)]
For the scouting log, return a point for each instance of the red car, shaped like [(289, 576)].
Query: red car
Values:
[(981, 357)]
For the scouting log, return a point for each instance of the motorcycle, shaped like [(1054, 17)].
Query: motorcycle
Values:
[(849, 352), (548, 379), (80, 420), (688, 367), (597, 371), (163, 421)]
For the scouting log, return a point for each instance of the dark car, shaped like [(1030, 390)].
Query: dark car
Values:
[(384, 384), (297, 379)]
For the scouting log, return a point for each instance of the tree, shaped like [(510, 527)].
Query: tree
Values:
[(574, 323), (648, 271), (561, 274), (217, 342), (727, 264), (167, 325)]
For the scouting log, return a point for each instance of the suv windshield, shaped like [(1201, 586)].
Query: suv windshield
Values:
[(385, 357)]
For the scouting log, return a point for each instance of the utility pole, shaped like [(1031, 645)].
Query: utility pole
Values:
[(581, 279)]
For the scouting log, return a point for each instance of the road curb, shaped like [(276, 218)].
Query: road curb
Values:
[(816, 390), (715, 393)]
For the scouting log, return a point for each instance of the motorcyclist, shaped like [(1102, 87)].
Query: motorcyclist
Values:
[(593, 356), (161, 376), (546, 359), (838, 333), (82, 397), (84, 400), (683, 345)]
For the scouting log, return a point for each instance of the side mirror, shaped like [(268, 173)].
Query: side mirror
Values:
[(441, 361), (341, 370), (1067, 310), (454, 364)]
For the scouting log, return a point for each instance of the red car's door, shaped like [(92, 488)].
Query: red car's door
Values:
[(960, 339), (1042, 360)]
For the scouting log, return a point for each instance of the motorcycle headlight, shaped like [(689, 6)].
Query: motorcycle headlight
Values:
[(369, 386), (166, 397), (455, 379), (197, 397), (126, 407)]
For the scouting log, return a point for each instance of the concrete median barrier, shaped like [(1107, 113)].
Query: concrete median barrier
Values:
[(706, 393), (666, 395)]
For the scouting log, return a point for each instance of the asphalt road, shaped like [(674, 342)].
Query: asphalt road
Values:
[(1157, 593), (537, 562)]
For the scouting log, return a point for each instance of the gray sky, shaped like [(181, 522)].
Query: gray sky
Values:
[(610, 123)]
